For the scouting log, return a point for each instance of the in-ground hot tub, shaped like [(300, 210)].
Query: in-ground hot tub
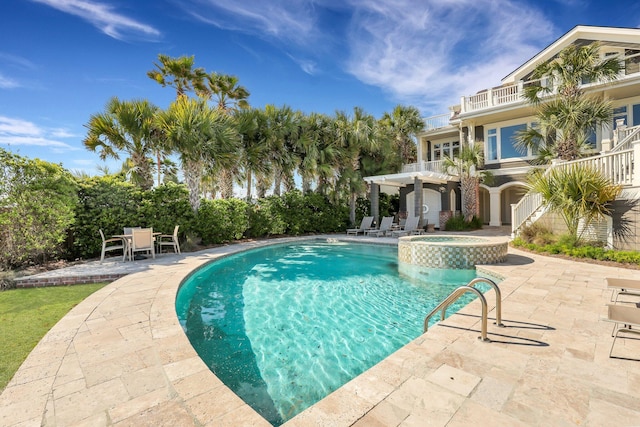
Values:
[(451, 251)]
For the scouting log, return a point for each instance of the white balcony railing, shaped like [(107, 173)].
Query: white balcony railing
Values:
[(435, 166), (437, 122), (512, 93)]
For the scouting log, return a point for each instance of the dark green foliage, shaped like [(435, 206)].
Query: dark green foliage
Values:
[(267, 217), (389, 204), (108, 203), (166, 206), (295, 213), (37, 202), (222, 220), (566, 245), (458, 223)]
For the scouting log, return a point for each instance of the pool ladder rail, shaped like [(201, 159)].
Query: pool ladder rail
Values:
[(470, 287)]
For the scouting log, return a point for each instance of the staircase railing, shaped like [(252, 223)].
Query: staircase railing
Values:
[(626, 137), (617, 166)]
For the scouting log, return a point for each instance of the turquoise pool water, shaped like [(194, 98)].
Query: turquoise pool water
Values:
[(285, 325)]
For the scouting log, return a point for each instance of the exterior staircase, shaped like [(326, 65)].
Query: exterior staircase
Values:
[(617, 164)]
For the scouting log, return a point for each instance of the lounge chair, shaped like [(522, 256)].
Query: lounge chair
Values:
[(410, 227), (626, 315), (169, 240), (364, 226), (623, 287), (106, 246), (385, 227)]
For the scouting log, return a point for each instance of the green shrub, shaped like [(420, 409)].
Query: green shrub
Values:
[(36, 209), (166, 206), (108, 203), (266, 217), (457, 223), (222, 220)]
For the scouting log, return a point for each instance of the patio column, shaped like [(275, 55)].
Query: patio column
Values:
[(494, 207), (417, 199), (375, 202)]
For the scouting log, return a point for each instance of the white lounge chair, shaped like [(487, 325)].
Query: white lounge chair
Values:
[(385, 227), (410, 227), (364, 226), (626, 315)]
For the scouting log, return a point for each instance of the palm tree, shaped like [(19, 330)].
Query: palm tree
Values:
[(179, 74), (354, 135), (229, 97), (252, 128), (125, 126), (200, 135), (467, 166), (282, 132), (575, 192), (566, 121), (226, 92), (404, 123)]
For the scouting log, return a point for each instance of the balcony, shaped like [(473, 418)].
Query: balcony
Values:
[(437, 122), (423, 167)]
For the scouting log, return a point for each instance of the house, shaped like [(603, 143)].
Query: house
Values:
[(492, 117)]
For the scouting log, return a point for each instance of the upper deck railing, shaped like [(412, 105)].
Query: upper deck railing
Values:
[(435, 166)]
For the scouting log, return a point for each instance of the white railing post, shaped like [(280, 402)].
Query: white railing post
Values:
[(490, 98), (463, 107), (635, 174)]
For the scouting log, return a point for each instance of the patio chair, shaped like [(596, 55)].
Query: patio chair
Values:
[(385, 227), (626, 315), (364, 226), (142, 241), (107, 246), (623, 287), (169, 240), (411, 227)]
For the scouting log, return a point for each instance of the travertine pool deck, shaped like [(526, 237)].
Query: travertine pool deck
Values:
[(120, 358)]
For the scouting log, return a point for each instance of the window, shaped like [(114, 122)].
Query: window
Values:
[(508, 140), (619, 113), (636, 114), (492, 144), (501, 143)]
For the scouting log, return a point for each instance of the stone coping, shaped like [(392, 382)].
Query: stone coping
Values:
[(121, 358)]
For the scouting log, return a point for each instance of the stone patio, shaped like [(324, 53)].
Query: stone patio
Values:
[(120, 358)]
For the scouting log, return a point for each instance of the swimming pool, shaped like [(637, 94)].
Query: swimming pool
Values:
[(285, 325)]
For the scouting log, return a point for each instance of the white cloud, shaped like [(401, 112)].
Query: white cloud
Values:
[(424, 52), (103, 17), (432, 52), (292, 20), (17, 132), (8, 83)]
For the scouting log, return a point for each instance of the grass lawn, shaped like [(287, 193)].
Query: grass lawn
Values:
[(26, 315)]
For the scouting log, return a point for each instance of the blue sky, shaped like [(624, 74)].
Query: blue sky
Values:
[(61, 60)]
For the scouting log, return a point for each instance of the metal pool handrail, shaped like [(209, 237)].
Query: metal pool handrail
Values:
[(454, 296), (498, 297)]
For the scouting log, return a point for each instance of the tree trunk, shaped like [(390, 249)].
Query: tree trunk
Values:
[(352, 209), (192, 176), (249, 183), (469, 201), (226, 183)]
